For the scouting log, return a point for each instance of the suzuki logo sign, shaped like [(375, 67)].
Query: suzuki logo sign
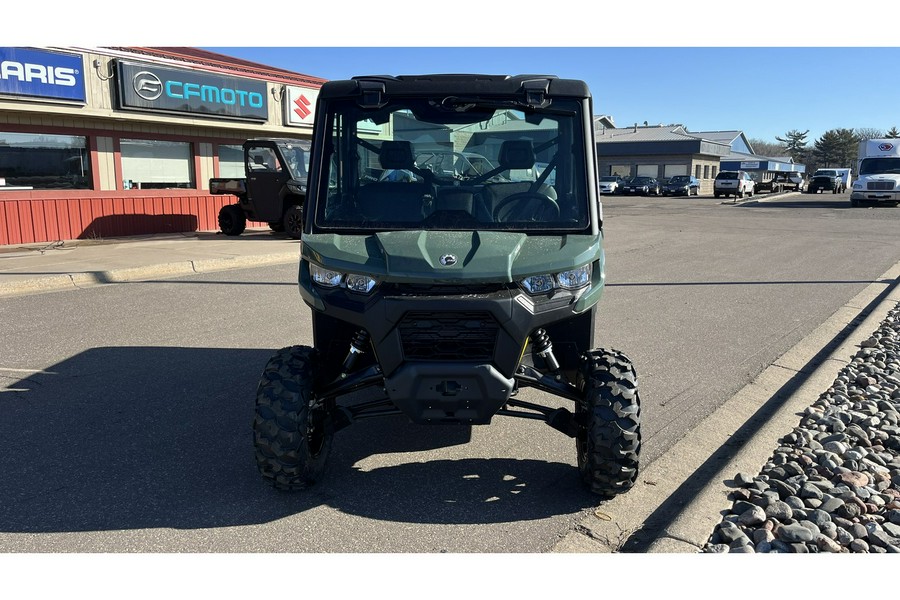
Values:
[(299, 105), (885, 147), (302, 104)]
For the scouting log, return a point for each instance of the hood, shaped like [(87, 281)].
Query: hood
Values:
[(484, 256)]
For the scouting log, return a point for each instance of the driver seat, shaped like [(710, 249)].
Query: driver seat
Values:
[(514, 154)]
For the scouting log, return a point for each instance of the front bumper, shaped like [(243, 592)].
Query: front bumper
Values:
[(875, 196), (452, 356)]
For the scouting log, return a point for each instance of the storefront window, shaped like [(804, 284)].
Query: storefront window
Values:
[(231, 161), (673, 170), (45, 162), (153, 164), (620, 170), (648, 171)]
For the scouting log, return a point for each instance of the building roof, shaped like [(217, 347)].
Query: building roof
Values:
[(725, 137), (642, 134), (213, 61)]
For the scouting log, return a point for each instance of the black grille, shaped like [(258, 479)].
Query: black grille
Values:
[(448, 335), (416, 289), (880, 185)]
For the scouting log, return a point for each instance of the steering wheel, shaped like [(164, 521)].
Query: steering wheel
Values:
[(534, 210)]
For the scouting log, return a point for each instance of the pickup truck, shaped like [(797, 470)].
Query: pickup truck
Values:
[(826, 179), (273, 191)]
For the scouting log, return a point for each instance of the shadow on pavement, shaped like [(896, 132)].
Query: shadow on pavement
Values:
[(122, 438)]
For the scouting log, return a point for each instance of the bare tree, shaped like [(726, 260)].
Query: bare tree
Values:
[(868, 133), (767, 149)]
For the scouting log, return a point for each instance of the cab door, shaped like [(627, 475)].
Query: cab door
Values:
[(266, 179)]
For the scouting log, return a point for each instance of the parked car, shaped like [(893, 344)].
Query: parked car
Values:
[(686, 185), (736, 183), (642, 186), (611, 184)]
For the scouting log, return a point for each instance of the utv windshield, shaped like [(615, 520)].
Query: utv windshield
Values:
[(430, 164), (297, 156)]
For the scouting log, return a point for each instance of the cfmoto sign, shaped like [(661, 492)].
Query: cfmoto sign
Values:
[(161, 89)]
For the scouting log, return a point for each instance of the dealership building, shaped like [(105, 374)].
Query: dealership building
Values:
[(105, 142)]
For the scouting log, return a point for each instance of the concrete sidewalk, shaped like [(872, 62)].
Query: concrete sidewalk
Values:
[(37, 268)]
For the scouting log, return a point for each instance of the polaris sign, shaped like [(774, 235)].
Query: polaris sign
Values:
[(160, 89), (41, 74)]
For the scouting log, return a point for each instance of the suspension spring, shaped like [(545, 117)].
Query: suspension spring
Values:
[(357, 348), (544, 348)]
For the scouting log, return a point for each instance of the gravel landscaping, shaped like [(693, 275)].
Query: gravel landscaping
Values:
[(833, 483)]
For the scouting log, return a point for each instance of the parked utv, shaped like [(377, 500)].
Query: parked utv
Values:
[(447, 291), (273, 190)]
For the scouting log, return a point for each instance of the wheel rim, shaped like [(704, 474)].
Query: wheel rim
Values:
[(294, 221)]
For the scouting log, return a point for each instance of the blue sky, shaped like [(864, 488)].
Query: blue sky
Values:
[(761, 68), (762, 91)]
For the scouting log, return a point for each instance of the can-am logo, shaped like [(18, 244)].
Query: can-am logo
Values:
[(34, 73), (885, 147)]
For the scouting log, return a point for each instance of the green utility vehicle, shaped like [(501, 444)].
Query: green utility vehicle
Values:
[(448, 289)]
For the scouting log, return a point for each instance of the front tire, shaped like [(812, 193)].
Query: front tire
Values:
[(292, 430), (608, 445)]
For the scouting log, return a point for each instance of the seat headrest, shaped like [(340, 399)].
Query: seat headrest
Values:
[(516, 154), (396, 154)]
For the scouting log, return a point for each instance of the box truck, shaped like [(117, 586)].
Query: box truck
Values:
[(878, 169)]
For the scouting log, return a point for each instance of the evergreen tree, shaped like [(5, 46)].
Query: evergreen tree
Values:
[(795, 143), (892, 133), (836, 148)]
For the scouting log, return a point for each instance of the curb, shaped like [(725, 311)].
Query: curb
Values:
[(680, 498), (80, 279)]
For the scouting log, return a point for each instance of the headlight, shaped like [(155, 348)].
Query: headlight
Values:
[(325, 277), (574, 279), (296, 188), (538, 284), (360, 284), (569, 280)]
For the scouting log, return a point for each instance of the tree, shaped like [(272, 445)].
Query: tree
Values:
[(767, 149), (795, 143), (836, 148), (892, 133)]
